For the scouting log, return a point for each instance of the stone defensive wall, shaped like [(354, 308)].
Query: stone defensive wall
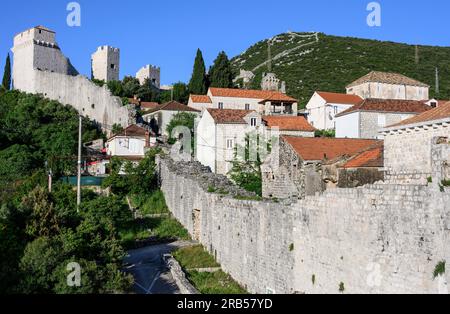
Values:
[(383, 238)]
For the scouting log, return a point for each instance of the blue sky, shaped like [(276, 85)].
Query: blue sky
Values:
[(167, 33)]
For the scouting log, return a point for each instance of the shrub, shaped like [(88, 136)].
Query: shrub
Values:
[(439, 269), (341, 287)]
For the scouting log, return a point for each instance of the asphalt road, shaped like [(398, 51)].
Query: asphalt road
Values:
[(151, 274)]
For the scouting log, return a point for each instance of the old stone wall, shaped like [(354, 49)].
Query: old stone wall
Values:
[(374, 239)]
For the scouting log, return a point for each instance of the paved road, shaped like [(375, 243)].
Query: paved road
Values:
[(151, 275)]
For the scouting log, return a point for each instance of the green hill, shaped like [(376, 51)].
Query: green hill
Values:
[(308, 63)]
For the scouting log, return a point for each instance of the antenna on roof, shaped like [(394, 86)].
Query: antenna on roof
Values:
[(417, 54)]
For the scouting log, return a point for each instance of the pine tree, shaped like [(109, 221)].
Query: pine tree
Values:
[(6, 83), (220, 73), (198, 83)]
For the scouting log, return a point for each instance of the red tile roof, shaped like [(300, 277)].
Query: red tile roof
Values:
[(388, 105), (337, 98), (372, 157), (289, 123), (229, 116), (327, 148), (171, 106), (251, 93), (143, 104), (202, 99), (387, 78), (441, 112), (133, 130)]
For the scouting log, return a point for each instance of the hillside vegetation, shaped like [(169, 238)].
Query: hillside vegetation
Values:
[(330, 63)]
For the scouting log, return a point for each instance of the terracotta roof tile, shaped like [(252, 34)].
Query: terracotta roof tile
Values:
[(202, 99), (327, 148), (229, 116), (251, 93), (171, 106), (387, 78), (372, 157), (388, 105), (337, 98), (441, 112), (289, 123)]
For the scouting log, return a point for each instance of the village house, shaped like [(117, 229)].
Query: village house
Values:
[(143, 105), (323, 107), (131, 144), (304, 166), (160, 116), (219, 131), (408, 145), (384, 85), (262, 101), (365, 119)]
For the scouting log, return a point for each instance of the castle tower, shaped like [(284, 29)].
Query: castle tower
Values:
[(105, 63), (152, 73), (36, 49)]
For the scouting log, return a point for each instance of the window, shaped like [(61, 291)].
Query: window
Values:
[(253, 121), (433, 104), (247, 106), (113, 66), (335, 108), (230, 143), (381, 120), (220, 105)]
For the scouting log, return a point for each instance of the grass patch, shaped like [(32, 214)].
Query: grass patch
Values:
[(248, 198), (439, 269), (215, 283), (194, 257), (157, 229), (155, 203)]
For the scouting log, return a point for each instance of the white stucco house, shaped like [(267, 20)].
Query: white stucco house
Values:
[(220, 130), (161, 115), (384, 85), (324, 106), (365, 119), (132, 143), (262, 101)]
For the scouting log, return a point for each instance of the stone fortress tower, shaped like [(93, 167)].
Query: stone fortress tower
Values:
[(270, 82), (105, 64), (36, 48), (152, 73), (41, 68)]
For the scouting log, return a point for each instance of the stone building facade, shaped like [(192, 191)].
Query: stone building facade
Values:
[(151, 73), (41, 68), (408, 144), (304, 166), (106, 64), (385, 85), (367, 118)]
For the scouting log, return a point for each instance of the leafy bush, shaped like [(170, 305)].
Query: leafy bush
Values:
[(439, 269)]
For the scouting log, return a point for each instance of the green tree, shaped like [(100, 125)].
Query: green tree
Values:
[(6, 82), (42, 221), (180, 92), (185, 119), (246, 165), (116, 128), (198, 82), (131, 86), (220, 74)]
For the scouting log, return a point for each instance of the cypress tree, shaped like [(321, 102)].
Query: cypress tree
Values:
[(220, 73), (198, 84), (6, 83)]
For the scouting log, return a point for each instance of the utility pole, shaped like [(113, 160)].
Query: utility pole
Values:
[(79, 164), (437, 81)]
